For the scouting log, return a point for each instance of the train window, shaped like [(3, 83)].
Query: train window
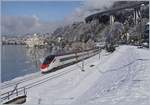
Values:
[(71, 57), (49, 59), (68, 58)]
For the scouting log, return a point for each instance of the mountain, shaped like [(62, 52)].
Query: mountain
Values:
[(96, 31)]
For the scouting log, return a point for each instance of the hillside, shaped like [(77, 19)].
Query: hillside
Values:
[(82, 31), (119, 78)]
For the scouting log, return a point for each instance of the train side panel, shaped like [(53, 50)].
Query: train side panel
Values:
[(62, 60)]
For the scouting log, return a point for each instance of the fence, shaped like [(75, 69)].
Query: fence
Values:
[(15, 93)]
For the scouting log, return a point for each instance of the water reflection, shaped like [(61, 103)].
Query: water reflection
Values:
[(35, 55), (17, 60)]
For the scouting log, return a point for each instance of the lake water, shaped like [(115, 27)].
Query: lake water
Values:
[(17, 60)]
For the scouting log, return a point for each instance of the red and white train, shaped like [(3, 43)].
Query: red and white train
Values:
[(59, 61)]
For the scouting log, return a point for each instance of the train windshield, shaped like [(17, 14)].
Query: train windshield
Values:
[(49, 59)]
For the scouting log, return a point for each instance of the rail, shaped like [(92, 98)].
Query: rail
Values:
[(16, 92), (26, 79), (21, 91)]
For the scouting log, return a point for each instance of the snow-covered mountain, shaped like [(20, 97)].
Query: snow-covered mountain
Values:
[(79, 31)]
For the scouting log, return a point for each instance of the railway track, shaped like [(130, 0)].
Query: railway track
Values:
[(23, 88), (6, 85), (18, 82)]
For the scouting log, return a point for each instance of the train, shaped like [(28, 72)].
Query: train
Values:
[(53, 62)]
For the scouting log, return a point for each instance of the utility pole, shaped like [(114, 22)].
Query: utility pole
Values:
[(83, 57), (83, 65), (99, 52)]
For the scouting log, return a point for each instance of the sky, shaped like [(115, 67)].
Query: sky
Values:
[(21, 17), (44, 10), (42, 14)]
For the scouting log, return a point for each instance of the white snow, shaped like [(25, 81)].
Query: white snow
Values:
[(118, 78), (125, 80)]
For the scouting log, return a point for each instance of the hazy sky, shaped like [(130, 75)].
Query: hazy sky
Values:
[(21, 17), (44, 10)]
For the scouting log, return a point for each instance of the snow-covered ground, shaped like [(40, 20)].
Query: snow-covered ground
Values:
[(123, 80), (119, 78)]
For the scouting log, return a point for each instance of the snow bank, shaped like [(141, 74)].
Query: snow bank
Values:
[(120, 78), (125, 80), (122, 57)]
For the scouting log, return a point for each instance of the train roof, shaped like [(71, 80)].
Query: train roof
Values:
[(72, 52)]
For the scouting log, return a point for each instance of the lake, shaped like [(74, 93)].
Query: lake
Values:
[(17, 61)]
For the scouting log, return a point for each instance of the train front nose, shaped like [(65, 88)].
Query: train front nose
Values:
[(44, 67)]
